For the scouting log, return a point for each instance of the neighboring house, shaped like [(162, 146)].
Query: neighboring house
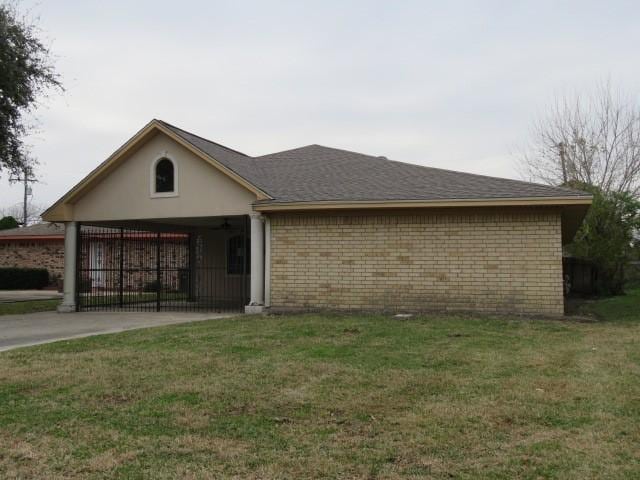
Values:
[(42, 246), (311, 228), (36, 246)]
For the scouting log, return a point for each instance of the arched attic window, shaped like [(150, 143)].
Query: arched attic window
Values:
[(164, 178)]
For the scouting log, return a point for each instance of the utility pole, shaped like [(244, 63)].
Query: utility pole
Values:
[(563, 161), (25, 177)]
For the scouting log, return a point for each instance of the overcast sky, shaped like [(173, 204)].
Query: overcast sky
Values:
[(446, 84)]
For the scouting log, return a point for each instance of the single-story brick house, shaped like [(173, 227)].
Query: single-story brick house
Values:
[(313, 228), (36, 246), (42, 246)]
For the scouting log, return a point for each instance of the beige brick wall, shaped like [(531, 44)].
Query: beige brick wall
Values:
[(47, 254), (490, 260)]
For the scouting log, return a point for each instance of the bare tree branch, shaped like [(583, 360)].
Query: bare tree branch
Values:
[(593, 139), (34, 210)]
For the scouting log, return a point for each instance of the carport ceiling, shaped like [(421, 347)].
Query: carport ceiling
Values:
[(173, 224)]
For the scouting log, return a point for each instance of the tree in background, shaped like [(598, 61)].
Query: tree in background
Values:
[(589, 139), (607, 236), (8, 222), (26, 73), (592, 143), (34, 210)]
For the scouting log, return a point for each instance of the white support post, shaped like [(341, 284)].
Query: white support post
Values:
[(256, 303), (267, 262), (70, 252)]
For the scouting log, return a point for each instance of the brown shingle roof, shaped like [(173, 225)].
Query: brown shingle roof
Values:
[(316, 173), (37, 230)]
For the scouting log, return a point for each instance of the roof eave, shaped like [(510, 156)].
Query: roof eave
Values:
[(274, 206)]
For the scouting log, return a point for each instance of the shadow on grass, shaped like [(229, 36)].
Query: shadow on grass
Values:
[(619, 309)]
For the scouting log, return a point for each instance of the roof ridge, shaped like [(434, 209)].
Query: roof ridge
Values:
[(379, 157), (321, 146), (170, 125), (286, 151)]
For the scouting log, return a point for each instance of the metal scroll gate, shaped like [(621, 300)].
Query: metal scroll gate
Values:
[(130, 269)]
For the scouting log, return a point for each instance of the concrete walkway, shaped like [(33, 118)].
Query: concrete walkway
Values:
[(45, 327), (10, 296)]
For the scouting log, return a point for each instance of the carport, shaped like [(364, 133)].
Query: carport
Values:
[(163, 225), (184, 264)]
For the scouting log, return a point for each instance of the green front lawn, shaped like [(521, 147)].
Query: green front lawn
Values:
[(28, 307), (328, 396)]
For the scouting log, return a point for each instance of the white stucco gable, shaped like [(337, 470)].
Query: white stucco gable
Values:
[(124, 188)]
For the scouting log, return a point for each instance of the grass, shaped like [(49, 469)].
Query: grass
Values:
[(329, 396), (106, 299), (621, 309), (28, 307)]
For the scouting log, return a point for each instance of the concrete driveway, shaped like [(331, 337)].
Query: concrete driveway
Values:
[(45, 327)]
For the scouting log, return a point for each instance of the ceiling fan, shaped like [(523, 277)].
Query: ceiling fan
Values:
[(225, 225)]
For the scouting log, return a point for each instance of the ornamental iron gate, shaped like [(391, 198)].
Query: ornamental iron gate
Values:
[(135, 269)]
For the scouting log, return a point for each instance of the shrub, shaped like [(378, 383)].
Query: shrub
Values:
[(23, 278), (606, 237), (8, 222), (152, 286)]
